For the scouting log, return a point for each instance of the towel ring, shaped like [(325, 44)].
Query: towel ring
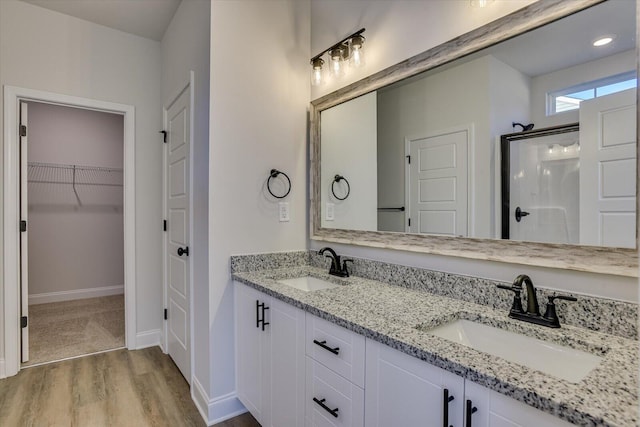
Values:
[(339, 178), (273, 174)]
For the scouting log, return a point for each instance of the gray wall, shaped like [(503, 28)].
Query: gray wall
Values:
[(74, 247)]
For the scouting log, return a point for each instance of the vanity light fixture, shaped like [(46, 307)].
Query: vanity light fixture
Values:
[(604, 40), (347, 52)]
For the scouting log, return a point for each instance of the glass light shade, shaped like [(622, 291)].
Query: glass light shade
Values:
[(357, 52), (317, 72), (336, 61)]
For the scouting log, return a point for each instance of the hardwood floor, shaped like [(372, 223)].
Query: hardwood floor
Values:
[(118, 388)]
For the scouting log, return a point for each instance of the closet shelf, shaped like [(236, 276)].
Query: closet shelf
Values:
[(79, 178), (51, 173)]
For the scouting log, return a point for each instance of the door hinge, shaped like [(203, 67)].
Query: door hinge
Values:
[(23, 130), (409, 222), (23, 226), (164, 136), (164, 225), (166, 314), (408, 159), (24, 322)]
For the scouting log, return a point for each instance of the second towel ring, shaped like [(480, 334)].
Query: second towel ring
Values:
[(274, 174), (339, 178)]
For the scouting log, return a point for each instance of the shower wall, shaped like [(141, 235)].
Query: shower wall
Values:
[(545, 176)]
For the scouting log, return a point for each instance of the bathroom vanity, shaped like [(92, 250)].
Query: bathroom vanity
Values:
[(367, 353)]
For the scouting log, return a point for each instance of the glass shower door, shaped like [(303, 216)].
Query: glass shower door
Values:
[(540, 186)]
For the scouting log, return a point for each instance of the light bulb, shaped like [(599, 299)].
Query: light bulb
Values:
[(337, 61), (480, 3), (357, 51), (317, 72)]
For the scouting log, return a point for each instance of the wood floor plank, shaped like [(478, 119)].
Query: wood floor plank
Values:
[(119, 388)]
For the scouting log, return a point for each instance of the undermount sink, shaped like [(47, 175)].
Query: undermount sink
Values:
[(559, 361), (308, 283)]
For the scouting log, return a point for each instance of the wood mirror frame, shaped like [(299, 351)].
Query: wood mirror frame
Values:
[(595, 259)]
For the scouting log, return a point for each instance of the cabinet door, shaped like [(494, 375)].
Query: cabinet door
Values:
[(497, 410), (405, 391), (286, 366), (251, 349)]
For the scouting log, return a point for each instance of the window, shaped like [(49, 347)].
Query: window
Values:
[(570, 98)]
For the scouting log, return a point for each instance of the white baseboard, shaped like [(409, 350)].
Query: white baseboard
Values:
[(3, 372), (148, 339), (216, 410), (75, 294)]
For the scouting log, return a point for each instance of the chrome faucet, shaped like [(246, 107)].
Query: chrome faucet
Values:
[(532, 315), (336, 268)]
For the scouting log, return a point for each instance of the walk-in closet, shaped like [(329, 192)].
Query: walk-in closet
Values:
[(73, 265)]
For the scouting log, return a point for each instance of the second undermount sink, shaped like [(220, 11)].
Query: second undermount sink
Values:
[(308, 283), (559, 361)]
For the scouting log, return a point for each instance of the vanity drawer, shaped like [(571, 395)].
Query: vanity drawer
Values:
[(336, 348), (331, 400)]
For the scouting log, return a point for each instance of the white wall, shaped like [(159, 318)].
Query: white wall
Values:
[(349, 148), (395, 31), (49, 51), (561, 79), (74, 247), (259, 101), (185, 48)]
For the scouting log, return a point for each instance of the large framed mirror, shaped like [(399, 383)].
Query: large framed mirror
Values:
[(521, 125)]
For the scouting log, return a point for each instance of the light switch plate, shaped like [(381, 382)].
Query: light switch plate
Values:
[(330, 212), (283, 211)]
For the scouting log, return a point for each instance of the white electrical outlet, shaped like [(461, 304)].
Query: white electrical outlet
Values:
[(330, 212), (283, 211)]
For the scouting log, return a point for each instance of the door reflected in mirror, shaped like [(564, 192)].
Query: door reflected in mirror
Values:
[(424, 155)]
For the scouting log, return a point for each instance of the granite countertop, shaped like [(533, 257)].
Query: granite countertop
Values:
[(607, 396)]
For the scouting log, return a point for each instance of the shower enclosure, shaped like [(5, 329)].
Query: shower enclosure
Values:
[(540, 174)]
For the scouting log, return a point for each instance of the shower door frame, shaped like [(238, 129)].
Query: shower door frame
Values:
[(505, 165)]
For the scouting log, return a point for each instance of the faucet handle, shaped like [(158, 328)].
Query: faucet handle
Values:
[(344, 266), (562, 297), (550, 314), (516, 306)]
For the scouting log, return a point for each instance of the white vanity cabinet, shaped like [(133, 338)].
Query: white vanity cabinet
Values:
[(405, 391), (497, 410), (270, 358), (335, 375)]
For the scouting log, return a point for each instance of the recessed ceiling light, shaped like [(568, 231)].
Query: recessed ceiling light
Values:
[(603, 41)]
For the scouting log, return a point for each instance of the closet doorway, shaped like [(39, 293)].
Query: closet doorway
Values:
[(13, 98), (72, 239)]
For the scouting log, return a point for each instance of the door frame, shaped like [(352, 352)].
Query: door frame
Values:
[(471, 189), (11, 211), (188, 85)]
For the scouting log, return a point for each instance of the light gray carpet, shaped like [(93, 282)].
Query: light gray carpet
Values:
[(59, 330)]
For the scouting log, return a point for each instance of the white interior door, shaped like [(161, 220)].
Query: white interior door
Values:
[(608, 170), (436, 184), (177, 266), (24, 237)]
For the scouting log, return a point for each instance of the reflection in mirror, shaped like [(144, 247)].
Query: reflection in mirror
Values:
[(423, 154)]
